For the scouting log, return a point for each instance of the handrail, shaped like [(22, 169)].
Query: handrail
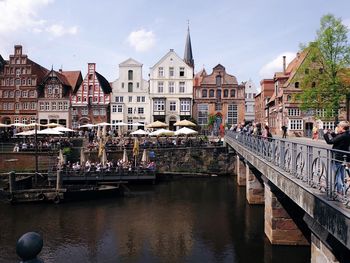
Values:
[(315, 166)]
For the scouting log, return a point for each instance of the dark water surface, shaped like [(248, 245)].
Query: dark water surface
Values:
[(188, 220)]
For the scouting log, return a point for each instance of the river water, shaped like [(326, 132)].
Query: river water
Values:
[(187, 220)]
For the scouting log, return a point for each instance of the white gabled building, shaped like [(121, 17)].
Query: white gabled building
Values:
[(171, 89), (130, 96)]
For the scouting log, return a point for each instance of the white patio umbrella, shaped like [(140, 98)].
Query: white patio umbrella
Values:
[(161, 132), (139, 132), (103, 124), (138, 124), (144, 158), (89, 125), (125, 156), (49, 131), (120, 124), (62, 129), (26, 133), (33, 124), (4, 125), (185, 131)]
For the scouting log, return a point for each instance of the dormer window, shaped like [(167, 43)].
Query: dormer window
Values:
[(218, 81)]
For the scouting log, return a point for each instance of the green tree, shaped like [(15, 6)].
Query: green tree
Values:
[(325, 68)]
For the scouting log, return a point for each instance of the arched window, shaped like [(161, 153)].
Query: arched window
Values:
[(130, 75), (218, 94), (130, 87), (204, 93), (225, 93), (233, 93), (211, 93), (289, 98), (218, 81)]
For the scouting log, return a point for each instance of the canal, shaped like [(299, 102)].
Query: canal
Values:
[(187, 220)]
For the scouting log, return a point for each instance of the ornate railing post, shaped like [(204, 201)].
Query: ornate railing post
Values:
[(29, 246)]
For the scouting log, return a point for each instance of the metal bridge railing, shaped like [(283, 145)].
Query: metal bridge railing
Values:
[(313, 165)]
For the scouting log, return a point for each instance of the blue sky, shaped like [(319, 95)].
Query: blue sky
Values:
[(247, 37)]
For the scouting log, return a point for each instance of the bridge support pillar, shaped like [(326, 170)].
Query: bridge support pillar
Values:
[(321, 253), (240, 171), (254, 190), (279, 226)]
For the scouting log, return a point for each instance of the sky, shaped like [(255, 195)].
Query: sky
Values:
[(247, 37)]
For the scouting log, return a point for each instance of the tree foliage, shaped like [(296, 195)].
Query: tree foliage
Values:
[(325, 68)]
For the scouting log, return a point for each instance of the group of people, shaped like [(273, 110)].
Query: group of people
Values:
[(45, 144), (255, 129)]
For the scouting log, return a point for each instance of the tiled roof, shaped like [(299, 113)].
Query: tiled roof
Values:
[(294, 65), (74, 78), (38, 70), (226, 78)]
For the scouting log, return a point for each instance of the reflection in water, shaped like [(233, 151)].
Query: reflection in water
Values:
[(189, 220)]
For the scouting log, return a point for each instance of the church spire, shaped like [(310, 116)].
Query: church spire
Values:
[(188, 57)]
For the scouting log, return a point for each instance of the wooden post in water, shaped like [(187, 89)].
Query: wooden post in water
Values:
[(12, 181)]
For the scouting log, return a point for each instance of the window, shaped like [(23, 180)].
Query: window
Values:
[(225, 93), (41, 106), (16, 120), (114, 108), (6, 94), (160, 86), (182, 72), (171, 72), (84, 111), (172, 105), (25, 94), (218, 94), (95, 99), (60, 105), (24, 120), (293, 112), (29, 81), (130, 124), (171, 87), (23, 82), (47, 106), (65, 105), (32, 120), (182, 87), (143, 99), (4, 106), (185, 105), (204, 93), (33, 106), (289, 97), (218, 81), (158, 105), (211, 93), (140, 110), (328, 125), (296, 84), (120, 108), (79, 98), (18, 82), (130, 87), (296, 124), (129, 110), (90, 76), (203, 114), (218, 106), (160, 72), (91, 89), (130, 75), (102, 111), (233, 93), (130, 98), (118, 99), (232, 114), (95, 112), (74, 111), (122, 84), (53, 106), (25, 106), (138, 84), (18, 72)]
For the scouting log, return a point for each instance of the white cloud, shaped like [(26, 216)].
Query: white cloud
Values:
[(276, 65), (59, 30), (142, 40), (19, 15), (346, 22)]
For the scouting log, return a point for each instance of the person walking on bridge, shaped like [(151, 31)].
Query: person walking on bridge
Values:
[(341, 142)]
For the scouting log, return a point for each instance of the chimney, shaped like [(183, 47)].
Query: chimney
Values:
[(284, 64)]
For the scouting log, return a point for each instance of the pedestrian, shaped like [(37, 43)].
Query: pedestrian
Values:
[(341, 142), (315, 132), (284, 131)]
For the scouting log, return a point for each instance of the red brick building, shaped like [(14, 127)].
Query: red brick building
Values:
[(261, 99), (218, 95), (90, 101), (19, 80)]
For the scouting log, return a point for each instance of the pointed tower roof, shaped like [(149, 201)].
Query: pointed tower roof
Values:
[(188, 57)]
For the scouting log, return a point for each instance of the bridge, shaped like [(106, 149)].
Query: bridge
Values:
[(296, 183)]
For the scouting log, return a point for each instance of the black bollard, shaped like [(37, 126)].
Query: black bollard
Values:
[(29, 246), (12, 181)]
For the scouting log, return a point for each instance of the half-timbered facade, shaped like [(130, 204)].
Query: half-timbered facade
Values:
[(91, 100), (19, 79)]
